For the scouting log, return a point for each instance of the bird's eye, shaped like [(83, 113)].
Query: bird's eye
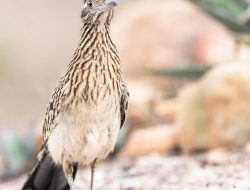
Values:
[(90, 4)]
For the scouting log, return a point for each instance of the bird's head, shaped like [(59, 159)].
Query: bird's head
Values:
[(98, 11)]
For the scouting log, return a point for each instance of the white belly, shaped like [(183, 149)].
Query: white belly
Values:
[(86, 133)]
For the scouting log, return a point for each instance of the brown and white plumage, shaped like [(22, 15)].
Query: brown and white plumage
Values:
[(89, 105)]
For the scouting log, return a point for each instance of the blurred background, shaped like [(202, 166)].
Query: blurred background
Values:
[(187, 65)]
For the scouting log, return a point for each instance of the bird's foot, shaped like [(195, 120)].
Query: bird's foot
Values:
[(70, 181), (92, 174), (69, 171)]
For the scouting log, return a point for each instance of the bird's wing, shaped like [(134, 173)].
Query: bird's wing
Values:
[(124, 104), (52, 112)]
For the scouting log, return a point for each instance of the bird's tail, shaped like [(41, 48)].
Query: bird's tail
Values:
[(46, 175)]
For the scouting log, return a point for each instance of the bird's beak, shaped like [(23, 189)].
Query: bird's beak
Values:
[(109, 4)]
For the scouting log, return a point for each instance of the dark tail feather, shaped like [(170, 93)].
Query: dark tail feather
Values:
[(46, 175)]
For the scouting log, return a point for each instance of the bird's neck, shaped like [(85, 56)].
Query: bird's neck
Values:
[(96, 48), (96, 42), (94, 36)]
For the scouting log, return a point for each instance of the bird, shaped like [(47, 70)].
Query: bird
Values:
[(46, 175), (88, 107)]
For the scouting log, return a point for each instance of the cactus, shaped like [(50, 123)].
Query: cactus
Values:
[(182, 71), (228, 12)]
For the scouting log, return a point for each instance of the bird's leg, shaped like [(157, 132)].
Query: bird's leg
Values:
[(68, 171), (92, 174)]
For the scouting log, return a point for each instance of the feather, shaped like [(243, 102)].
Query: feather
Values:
[(46, 175)]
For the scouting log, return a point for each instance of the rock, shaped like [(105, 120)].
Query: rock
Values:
[(215, 111), (142, 97), (218, 156), (216, 48), (158, 139), (160, 34), (247, 148), (166, 109), (243, 53)]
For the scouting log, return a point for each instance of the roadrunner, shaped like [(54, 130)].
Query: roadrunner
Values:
[(89, 105)]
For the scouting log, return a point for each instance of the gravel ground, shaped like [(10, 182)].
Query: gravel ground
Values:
[(224, 171)]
